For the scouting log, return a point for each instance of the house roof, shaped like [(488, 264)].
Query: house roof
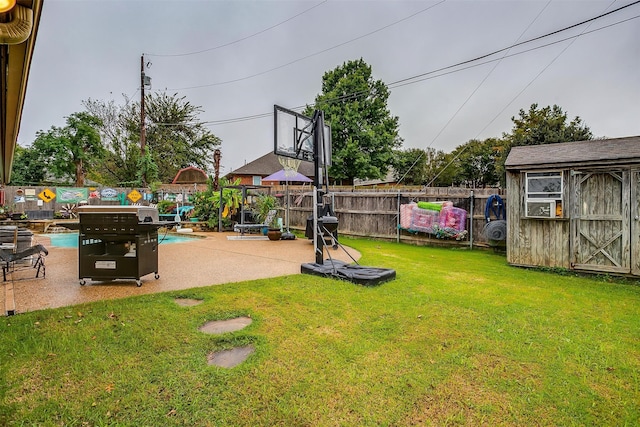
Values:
[(268, 164), (596, 152), (17, 41)]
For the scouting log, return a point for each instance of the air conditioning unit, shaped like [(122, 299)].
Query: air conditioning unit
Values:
[(541, 208)]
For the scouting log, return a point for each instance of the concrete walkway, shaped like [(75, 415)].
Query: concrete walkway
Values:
[(210, 260)]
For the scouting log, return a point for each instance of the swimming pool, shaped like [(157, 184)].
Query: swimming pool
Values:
[(70, 240)]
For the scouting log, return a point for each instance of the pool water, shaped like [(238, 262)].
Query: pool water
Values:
[(70, 240)]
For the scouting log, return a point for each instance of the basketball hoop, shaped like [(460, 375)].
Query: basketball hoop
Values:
[(290, 165), (294, 137)]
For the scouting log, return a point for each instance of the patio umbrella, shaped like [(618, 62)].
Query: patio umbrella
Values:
[(287, 176)]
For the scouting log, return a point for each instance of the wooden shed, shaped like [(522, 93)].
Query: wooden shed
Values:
[(575, 205)]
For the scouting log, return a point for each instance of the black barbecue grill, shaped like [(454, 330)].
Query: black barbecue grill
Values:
[(118, 242)]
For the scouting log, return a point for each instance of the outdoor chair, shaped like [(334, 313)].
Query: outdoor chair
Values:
[(10, 259), (241, 228)]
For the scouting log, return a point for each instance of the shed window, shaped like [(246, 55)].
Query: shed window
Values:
[(257, 180), (544, 195)]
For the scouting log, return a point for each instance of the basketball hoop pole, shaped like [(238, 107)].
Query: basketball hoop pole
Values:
[(318, 138), (303, 138)]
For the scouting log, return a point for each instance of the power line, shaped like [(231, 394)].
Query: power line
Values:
[(394, 85), (405, 82), (312, 54), (488, 74), (397, 22), (472, 94), (517, 96), (241, 39), (522, 43), (225, 121), (427, 75)]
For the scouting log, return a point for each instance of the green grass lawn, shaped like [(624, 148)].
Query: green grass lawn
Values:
[(459, 338)]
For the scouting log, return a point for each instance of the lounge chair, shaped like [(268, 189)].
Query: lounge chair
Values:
[(10, 258), (241, 228)]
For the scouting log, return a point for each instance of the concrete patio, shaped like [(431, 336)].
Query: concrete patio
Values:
[(209, 259)]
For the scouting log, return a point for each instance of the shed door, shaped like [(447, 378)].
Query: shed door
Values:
[(635, 222), (601, 221)]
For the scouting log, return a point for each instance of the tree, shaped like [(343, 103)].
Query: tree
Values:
[(27, 167), (175, 138), (120, 135), (429, 167), (148, 170), (363, 132), (541, 126), (410, 166), (545, 126), (441, 169), (71, 153), (476, 162)]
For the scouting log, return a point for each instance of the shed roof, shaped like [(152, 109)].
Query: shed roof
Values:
[(596, 152), (190, 175)]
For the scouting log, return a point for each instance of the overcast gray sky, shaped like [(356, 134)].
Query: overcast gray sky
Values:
[(254, 54)]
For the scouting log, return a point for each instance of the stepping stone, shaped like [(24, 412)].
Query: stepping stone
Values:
[(187, 302), (222, 326), (230, 358)]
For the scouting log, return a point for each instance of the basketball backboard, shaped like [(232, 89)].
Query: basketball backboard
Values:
[(293, 136)]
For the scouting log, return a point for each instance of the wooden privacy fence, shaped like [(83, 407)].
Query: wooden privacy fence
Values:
[(361, 213), (375, 214)]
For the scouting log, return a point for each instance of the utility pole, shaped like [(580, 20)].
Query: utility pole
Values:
[(142, 128), (144, 80)]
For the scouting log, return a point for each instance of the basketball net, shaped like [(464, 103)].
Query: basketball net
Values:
[(290, 165)]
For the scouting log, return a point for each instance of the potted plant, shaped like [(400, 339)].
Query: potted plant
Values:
[(274, 231), (264, 204)]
